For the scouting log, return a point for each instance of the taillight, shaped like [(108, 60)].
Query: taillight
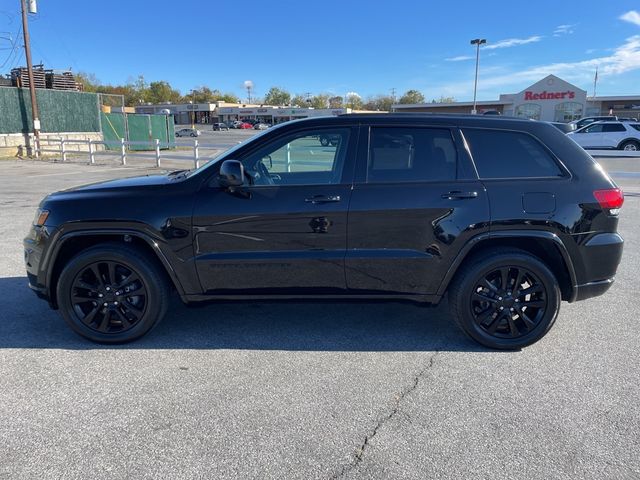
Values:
[(612, 198)]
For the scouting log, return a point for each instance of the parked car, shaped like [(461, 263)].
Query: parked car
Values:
[(608, 135), (583, 122), (245, 126), (187, 132), (326, 140), (505, 216), (261, 126), (220, 126), (563, 127)]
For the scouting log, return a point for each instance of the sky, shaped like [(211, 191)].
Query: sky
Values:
[(369, 47)]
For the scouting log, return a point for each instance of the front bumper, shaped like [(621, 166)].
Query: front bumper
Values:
[(34, 248)]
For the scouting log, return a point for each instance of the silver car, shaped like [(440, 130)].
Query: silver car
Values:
[(188, 132)]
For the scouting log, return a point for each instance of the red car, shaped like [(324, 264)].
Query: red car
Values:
[(245, 126)]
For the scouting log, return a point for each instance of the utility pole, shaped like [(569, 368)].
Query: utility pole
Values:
[(32, 88), (393, 94), (478, 42)]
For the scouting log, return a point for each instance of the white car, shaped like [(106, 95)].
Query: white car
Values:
[(608, 135), (187, 132)]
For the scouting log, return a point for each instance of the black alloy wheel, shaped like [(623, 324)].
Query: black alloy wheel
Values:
[(505, 298), (112, 293), (509, 302), (109, 297)]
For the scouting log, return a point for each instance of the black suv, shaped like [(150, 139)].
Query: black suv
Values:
[(507, 216)]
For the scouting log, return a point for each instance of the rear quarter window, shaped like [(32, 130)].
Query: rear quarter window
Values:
[(508, 154)]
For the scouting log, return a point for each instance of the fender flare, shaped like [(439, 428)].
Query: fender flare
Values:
[(60, 238), (538, 234)]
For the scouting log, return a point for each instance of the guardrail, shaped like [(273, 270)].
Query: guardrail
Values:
[(155, 145)]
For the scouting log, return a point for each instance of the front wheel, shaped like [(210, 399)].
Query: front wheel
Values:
[(112, 294), (630, 146), (505, 299)]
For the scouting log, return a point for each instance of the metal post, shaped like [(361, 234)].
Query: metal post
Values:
[(477, 42), (32, 88), (92, 156), (123, 151), (157, 152), (288, 157), (63, 150), (196, 156)]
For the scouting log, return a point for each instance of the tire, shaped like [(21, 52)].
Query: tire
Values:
[(630, 146), (89, 279), (505, 318), (324, 141), (193, 134)]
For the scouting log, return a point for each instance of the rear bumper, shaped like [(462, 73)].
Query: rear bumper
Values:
[(592, 289), (601, 256)]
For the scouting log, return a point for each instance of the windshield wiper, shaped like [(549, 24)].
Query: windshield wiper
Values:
[(176, 173)]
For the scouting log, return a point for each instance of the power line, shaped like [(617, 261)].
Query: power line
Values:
[(14, 47)]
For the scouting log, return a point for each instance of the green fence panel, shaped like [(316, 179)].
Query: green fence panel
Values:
[(171, 128), (113, 129), (139, 128), (159, 127), (60, 111)]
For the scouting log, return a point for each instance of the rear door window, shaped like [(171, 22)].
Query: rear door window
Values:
[(405, 154), (508, 154), (613, 127)]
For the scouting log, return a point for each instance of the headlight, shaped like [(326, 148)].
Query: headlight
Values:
[(40, 218)]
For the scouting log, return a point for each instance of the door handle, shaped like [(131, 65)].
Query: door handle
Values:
[(323, 199), (459, 195)]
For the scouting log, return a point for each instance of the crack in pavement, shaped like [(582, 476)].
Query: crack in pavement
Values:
[(360, 451)]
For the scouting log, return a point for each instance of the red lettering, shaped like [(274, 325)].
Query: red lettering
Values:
[(544, 95)]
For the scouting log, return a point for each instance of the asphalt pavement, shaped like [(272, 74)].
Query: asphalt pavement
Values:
[(312, 390)]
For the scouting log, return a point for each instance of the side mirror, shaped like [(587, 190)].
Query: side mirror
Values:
[(231, 174)]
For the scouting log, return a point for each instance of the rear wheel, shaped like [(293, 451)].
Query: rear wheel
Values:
[(505, 299), (112, 294), (630, 146)]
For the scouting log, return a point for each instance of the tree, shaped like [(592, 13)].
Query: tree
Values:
[(298, 101), (277, 96), (444, 99), (379, 102), (336, 102), (353, 100), (412, 96), (320, 101), (161, 92)]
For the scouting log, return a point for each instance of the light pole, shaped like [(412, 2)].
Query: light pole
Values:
[(477, 42), (193, 113)]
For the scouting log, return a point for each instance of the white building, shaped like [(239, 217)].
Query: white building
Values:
[(550, 99)]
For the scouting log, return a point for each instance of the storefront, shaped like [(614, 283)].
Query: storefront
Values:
[(550, 99), (273, 115)]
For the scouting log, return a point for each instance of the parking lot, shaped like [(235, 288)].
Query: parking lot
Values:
[(312, 390)]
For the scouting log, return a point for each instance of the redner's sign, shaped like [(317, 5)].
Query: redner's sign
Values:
[(549, 95)]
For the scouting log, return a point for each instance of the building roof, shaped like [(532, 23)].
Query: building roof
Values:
[(613, 98), (484, 103)]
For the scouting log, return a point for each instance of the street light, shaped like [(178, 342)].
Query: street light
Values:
[(477, 42), (193, 113)]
